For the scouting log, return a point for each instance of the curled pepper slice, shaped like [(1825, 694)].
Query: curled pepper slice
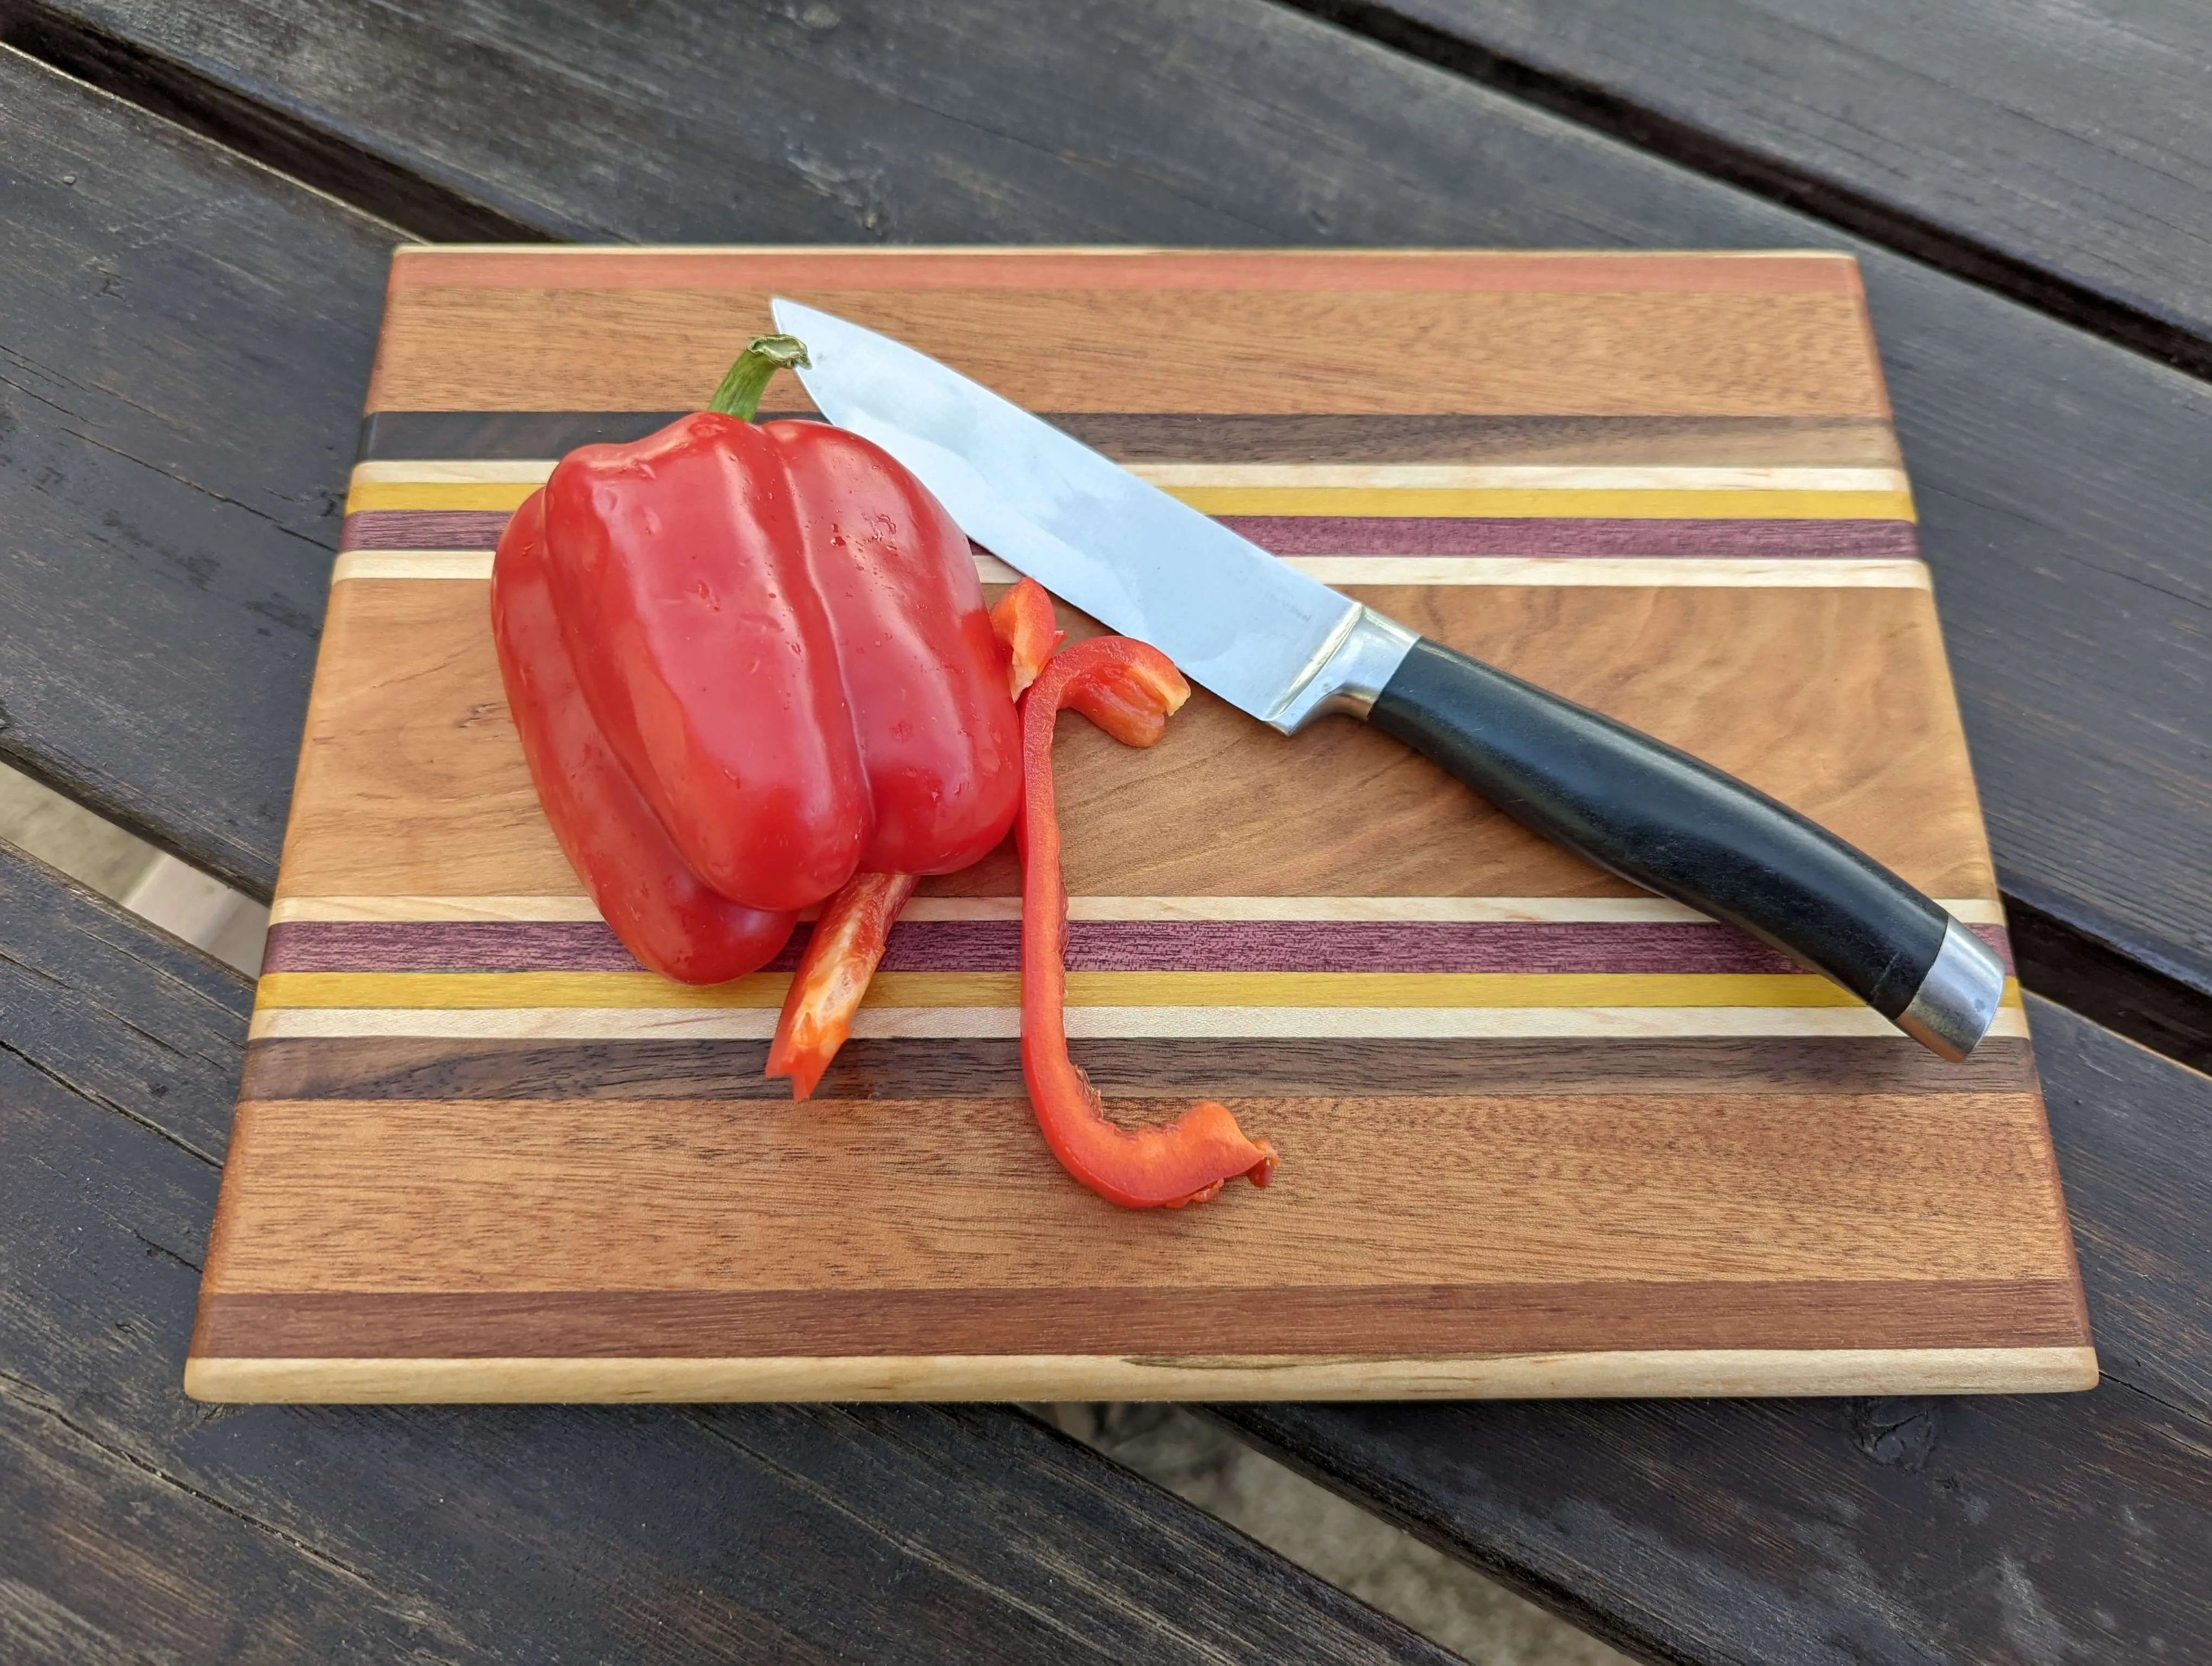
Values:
[(1128, 689), (833, 974), (1023, 620)]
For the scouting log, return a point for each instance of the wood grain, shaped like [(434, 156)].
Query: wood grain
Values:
[(2058, 474), (411, 782), (1524, 352), (138, 1526), (1920, 1525), (517, 1194), (2059, 477), (899, 1237), (461, 1068), (173, 446), (1619, 1373), (1241, 437), (2063, 154)]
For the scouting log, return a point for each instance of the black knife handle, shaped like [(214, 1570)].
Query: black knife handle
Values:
[(1681, 827)]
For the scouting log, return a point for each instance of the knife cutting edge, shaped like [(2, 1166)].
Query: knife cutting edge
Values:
[(1287, 648)]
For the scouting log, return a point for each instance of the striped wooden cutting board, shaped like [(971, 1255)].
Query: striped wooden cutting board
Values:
[(1540, 1134)]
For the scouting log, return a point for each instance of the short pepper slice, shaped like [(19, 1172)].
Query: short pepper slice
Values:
[(776, 636)]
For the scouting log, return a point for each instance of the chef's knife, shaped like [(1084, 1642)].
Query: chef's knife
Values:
[(1287, 648)]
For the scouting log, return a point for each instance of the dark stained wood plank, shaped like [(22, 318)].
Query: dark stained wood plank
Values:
[(2060, 479), (1993, 1530), (2061, 153), (141, 1525), (184, 338)]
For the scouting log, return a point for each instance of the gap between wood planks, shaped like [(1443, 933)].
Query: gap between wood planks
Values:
[(2056, 960), (1842, 206)]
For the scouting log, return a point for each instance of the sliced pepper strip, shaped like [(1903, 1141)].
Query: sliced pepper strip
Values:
[(1023, 620), (833, 976), (848, 939), (1129, 689)]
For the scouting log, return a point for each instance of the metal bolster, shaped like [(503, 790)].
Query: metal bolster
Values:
[(1957, 1001), (1349, 672)]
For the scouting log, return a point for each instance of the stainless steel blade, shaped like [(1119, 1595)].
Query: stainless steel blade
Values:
[(1260, 635)]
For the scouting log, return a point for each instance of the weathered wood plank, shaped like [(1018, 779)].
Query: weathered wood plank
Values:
[(185, 338), (2004, 1529), (139, 1524), (2063, 154), (2060, 479)]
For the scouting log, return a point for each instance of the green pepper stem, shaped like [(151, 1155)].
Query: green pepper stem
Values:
[(739, 395)]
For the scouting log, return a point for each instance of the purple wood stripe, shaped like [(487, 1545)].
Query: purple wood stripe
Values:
[(1328, 535), (1094, 945), (422, 529), (1336, 535)]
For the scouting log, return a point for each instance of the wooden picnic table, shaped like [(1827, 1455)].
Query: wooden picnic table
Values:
[(199, 206)]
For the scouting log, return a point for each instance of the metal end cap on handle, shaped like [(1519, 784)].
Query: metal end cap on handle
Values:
[(1957, 1001)]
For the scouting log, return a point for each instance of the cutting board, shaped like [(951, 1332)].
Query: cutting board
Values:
[(1540, 1134)]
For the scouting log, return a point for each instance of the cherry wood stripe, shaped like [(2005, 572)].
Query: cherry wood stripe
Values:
[(460, 1069), (1342, 535), (1201, 437), (1398, 1320), (1432, 271), (1100, 945)]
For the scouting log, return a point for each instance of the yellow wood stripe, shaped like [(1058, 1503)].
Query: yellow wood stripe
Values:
[(1373, 477), (935, 989), (1975, 910), (1351, 502)]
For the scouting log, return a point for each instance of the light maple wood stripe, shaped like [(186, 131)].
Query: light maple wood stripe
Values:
[(1735, 1373), (1410, 503), (1335, 477), (1664, 572), (1623, 910), (1100, 1023), (1800, 572), (355, 565), (1085, 267)]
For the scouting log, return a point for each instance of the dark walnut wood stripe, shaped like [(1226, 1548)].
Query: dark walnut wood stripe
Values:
[(1093, 945), (1385, 1321), (460, 1069), (1142, 437), (1341, 535)]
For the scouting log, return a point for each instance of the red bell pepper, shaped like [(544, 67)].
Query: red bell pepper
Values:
[(781, 633), (777, 635), (672, 920), (1129, 690)]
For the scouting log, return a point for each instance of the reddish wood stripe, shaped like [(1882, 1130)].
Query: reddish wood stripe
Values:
[(1388, 1321), (1093, 945), (1581, 272), (1338, 535), (461, 1069)]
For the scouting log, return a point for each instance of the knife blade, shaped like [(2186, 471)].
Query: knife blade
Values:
[(1285, 648)]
